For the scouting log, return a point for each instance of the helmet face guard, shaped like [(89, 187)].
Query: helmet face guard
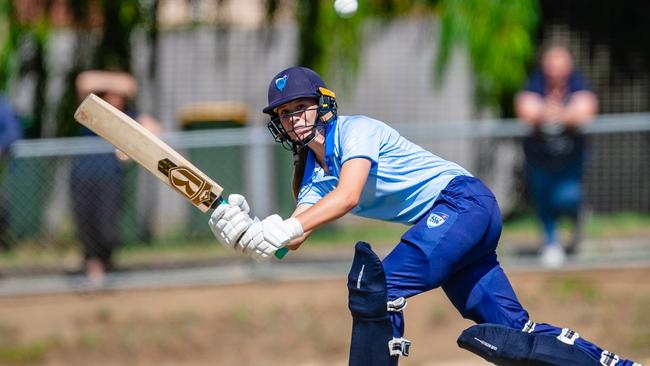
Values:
[(291, 84), (326, 112)]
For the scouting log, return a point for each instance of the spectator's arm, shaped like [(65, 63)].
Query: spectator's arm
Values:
[(148, 122), (529, 108), (582, 108), (94, 81)]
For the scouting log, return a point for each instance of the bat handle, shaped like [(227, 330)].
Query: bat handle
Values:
[(279, 254)]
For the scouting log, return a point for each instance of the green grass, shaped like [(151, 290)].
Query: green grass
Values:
[(177, 249), (568, 288), (13, 352), (21, 354)]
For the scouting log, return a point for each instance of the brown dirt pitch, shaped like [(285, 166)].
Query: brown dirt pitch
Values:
[(298, 323)]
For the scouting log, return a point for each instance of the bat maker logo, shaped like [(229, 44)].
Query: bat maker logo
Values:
[(187, 183)]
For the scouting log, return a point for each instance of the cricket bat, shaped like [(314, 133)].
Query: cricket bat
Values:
[(152, 153)]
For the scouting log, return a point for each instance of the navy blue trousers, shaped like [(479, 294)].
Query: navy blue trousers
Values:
[(453, 247), (556, 192)]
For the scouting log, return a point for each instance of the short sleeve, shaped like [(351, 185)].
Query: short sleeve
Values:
[(311, 192), (360, 138), (577, 83)]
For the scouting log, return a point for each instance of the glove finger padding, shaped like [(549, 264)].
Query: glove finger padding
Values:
[(218, 212), (263, 238), (240, 201), (256, 241), (229, 222), (233, 229), (232, 212), (247, 240), (263, 251), (239, 229)]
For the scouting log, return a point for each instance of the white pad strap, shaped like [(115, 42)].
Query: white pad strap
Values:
[(529, 327), (399, 347), (568, 336), (608, 358), (396, 305)]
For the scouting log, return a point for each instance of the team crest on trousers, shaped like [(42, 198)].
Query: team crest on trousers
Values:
[(436, 219)]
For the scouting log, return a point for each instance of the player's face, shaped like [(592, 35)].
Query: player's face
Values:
[(298, 117)]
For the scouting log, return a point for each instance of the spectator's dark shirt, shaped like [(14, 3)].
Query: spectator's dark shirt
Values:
[(537, 84), (98, 166), (563, 146)]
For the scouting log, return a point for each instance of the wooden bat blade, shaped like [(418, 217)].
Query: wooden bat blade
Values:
[(149, 151)]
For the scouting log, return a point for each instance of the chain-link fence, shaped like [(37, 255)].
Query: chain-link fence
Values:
[(60, 193)]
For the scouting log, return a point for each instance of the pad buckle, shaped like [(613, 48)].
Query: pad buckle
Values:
[(396, 305), (607, 358), (399, 347), (529, 327)]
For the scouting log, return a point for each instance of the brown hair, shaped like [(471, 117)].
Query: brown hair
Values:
[(300, 160)]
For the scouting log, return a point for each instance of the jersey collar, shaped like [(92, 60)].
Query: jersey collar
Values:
[(310, 166)]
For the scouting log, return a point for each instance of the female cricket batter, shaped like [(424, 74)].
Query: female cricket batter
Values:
[(360, 165)]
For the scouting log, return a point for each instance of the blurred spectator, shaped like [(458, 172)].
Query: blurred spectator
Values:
[(97, 180), (10, 131), (556, 103)]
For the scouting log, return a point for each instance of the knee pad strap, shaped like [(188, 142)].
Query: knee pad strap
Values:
[(396, 305), (399, 347)]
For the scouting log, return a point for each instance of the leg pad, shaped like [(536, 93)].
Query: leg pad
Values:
[(372, 330), (511, 347)]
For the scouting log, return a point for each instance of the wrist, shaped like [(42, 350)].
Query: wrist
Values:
[(294, 227)]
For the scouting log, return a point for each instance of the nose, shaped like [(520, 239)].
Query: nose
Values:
[(297, 119)]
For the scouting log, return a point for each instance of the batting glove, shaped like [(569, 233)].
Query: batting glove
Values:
[(264, 237), (230, 220)]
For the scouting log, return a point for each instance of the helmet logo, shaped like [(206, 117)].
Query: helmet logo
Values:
[(280, 83)]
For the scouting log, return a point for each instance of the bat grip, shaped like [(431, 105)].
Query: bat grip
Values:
[(279, 254)]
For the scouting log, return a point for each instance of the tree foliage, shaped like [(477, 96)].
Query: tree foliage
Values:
[(497, 34), (109, 48), (499, 39), (22, 52), (119, 19)]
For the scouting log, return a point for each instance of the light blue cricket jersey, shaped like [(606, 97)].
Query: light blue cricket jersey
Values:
[(404, 179)]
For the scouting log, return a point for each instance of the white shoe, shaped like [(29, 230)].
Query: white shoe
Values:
[(553, 256)]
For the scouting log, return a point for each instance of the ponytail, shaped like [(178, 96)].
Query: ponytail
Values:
[(299, 163)]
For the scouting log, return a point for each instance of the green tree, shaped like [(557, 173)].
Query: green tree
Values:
[(119, 19), (22, 51), (498, 36), (111, 50)]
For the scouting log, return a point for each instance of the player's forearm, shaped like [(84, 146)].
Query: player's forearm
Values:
[(328, 209)]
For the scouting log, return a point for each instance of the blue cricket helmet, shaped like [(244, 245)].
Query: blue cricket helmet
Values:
[(293, 83)]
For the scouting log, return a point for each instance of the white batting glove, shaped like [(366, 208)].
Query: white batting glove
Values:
[(264, 237), (230, 220)]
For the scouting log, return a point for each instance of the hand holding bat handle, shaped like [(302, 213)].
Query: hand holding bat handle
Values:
[(279, 254)]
